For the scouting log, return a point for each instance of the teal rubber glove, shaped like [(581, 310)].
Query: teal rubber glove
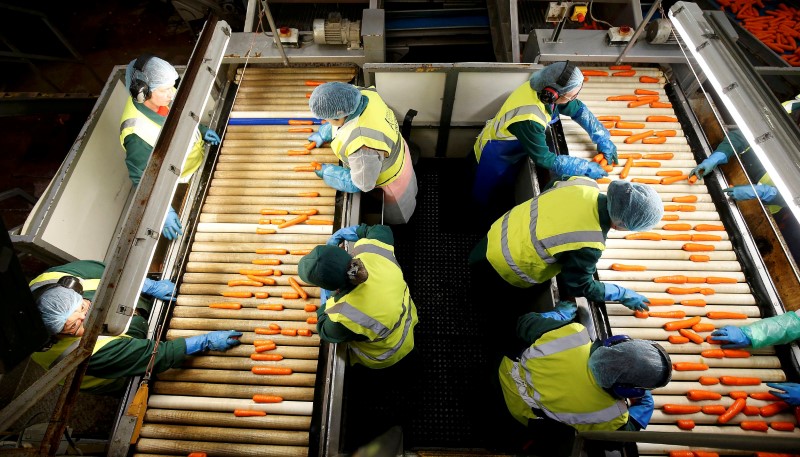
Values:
[(575, 166), (211, 137), (642, 410), (564, 311), (323, 135), (337, 177), (627, 297), (172, 226), (710, 164), (162, 290), (598, 133), (789, 392), (345, 233), (764, 192), (220, 340), (731, 337)]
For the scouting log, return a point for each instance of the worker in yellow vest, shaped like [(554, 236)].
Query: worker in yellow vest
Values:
[(365, 301), (518, 131), (563, 231), (364, 135), (565, 377), (153, 83), (64, 296)]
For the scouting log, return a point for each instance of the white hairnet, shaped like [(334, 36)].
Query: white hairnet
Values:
[(548, 76), (157, 73), (334, 100), (56, 305), (638, 363), (635, 206)]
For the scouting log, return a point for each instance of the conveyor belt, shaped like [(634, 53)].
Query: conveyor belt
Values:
[(191, 409), (668, 258)]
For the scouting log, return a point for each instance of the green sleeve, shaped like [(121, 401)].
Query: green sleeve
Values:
[(781, 329), (125, 357), (577, 272), (381, 233), (734, 142), (334, 332), (137, 153), (531, 136), (629, 426), (84, 269), (531, 326), (203, 129), (571, 108)]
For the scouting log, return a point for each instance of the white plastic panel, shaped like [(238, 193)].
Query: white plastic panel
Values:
[(422, 92), (480, 94)]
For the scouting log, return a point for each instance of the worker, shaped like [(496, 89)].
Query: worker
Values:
[(781, 329), (64, 296), (563, 376), (153, 83), (365, 301), (518, 130), (563, 230), (364, 135)]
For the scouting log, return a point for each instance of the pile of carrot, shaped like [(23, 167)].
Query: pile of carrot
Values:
[(778, 28)]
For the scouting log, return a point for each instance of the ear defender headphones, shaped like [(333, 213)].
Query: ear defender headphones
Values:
[(622, 390), (70, 282), (140, 90), (549, 94)]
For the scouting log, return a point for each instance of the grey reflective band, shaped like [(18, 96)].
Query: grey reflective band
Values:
[(541, 251), (406, 327), (507, 252), (573, 182), (595, 417), (401, 155), (564, 343), (374, 135), (357, 316), (377, 250), (587, 236), (126, 124), (526, 109)]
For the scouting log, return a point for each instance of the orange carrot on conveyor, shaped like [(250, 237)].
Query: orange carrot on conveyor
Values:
[(669, 173), (603, 180), (677, 227), (629, 155), (630, 125), (294, 221), (672, 279), (646, 181), (303, 332), (704, 327), (266, 262), (296, 286), (271, 370), (700, 395), (713, 410), (782, 426), (299, 153), (308, 194), (237, 294), (626, 169), (736, 353), (311, 145), (685, 424), (620, 67), (655, 140), (243, 282), (266, 331), (661, 119), (310, 308), (739, 381), (608, 124), (660, 301), (274, 327), (733, 410), (697, 339), (261, 398), (274, 212), (708, 381), (705, 454), (225, 305), (670, 217), (668, 314), (256, 272), (638, 136), (644, 236), (690, 366), (318, 222), (641, 314), (248, 413), (660, 105), (270, 307), (262, 279), (681, 454), (677, 325), (646, 164), (692, 179), (713, 354), (266, 357), (666, 133), (314, 83), (720, 280), (695, 279), (622, 98), (677, 339), (680, 409), (725, 315), (757, 426), (638, 103), (697, 247), (289, 332), (301, 130), (300, 251), (673, 179), (290, 295), (645, 92), (311, 320), (709, 228), (594, 73), (648, 79), (647, 98), (685, 199), (307, 212), (624, 267), (624, 73), (660, 156), (608, 118), (614, 132), (699, 258), (766, 396)]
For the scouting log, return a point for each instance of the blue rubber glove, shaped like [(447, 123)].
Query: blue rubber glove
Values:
[(324, 295), (747, 192), (221, 340), (731, 337), (172, 226), (642, 410), (575, 166), (564, 311), (337, 177), (598, 133), (322, 136), (789, 392), (627, 297), (162, 290), (710, 164), (211, 137), (345, 233)]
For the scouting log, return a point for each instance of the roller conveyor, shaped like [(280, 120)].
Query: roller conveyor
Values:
[(670, 256), (191, 409)]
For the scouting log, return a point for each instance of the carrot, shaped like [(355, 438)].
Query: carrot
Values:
[(750, 410), (310, 146), (255, 272), (655, 140), (710, 341), (225, 305), (685, 424), (673, 179), (705, 454), (626, 169), (300, 251), (303, 332), (773, 454), (669, 173), (265, 347), (274, 326), (680, 409), (649, 79), (685, 199), (737, 394), (704, 327), (248, 413), (677, 325), (311, 320), (739, 381), (676, 339), (782, 426), (699, 258), (645, 92), (314, 83), (624, 73), (274, 212), (766, 396), (736, 353), (676, 279), (271, 370), (692, 179), (733, 410), (197, 454), (318, 222), (597, 158), (647, 164), (697, 247), (661, 119), (310, 308), (297, 288), (706, 237), (725, 315), (266, 357), (308, 94), (262, 279), (647, 98), (644, 236), (261, 398), (308, 194), (714, 410), (638, 136), (676, 227), (614, 132), (669, 314), (300, 122), (666, 133), (266, 331), (660, 105), (622, 98), (299, 153), (289, 332), (608, 118), (623, 267), (603, 180), (261, 231), (641, 314), (608, 124), (307, 212), (689, 366), (708, 381), (620, 67), (758, 426), (630, 125), (660, 301), (270, 307), (670, 217), (316, 165), (301, 130), (700, 395), (660, 156), (237, 294), (272, 251), (262, 342), (679, 453), (294, 221), (594, 73), (638, 103), (713, 354), (629, 155), (709, 228), (646, 181), (697, 339), (774, 408), (304, 167), (243, 282), (290, 296), (266, 262), (683, 290)]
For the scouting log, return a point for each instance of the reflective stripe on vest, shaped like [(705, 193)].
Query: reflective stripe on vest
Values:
[(380, 308), (375, 128), (522, 105), (523, 243), (566, 350), (135, 122), (52, 277)]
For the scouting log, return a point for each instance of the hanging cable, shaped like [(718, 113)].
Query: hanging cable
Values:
[(591, 16)]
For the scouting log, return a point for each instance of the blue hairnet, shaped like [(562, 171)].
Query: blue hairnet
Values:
[(548, 76), (157, 73), (636, 362), (635, 206), (334, 100), (56, 305)]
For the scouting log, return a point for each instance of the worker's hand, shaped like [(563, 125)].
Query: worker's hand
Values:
[(322, 136), (162, 290), (747, 192), (731, 337), (211, 137), (708, 165), (627, 297), (172, 226), (575, 166), (221, 340), (337, 177), (344, 233), (642, 410), (789, 392), (609, 151), (598, 133), (564, 311)]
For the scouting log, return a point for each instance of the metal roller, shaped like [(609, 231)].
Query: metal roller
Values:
[(250, 337), (216, 289), (243, 325), (174, 416), (605, 263), (275, 151), (623, 244), (233, 390), (296, 202), (274, 238), (233, 377), (614, 309), (661, 400), (645, 286), (708, 420), (650, 275), (213, 227), (229, 435), (219, 246), (241, 363), (288, 265), (681, 387), (211, 278), (633, 322), (205, 300), (174, 447), (287, 164), (268, 175), (244, 313), (323, 192), (289, 352), (197, 260)]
